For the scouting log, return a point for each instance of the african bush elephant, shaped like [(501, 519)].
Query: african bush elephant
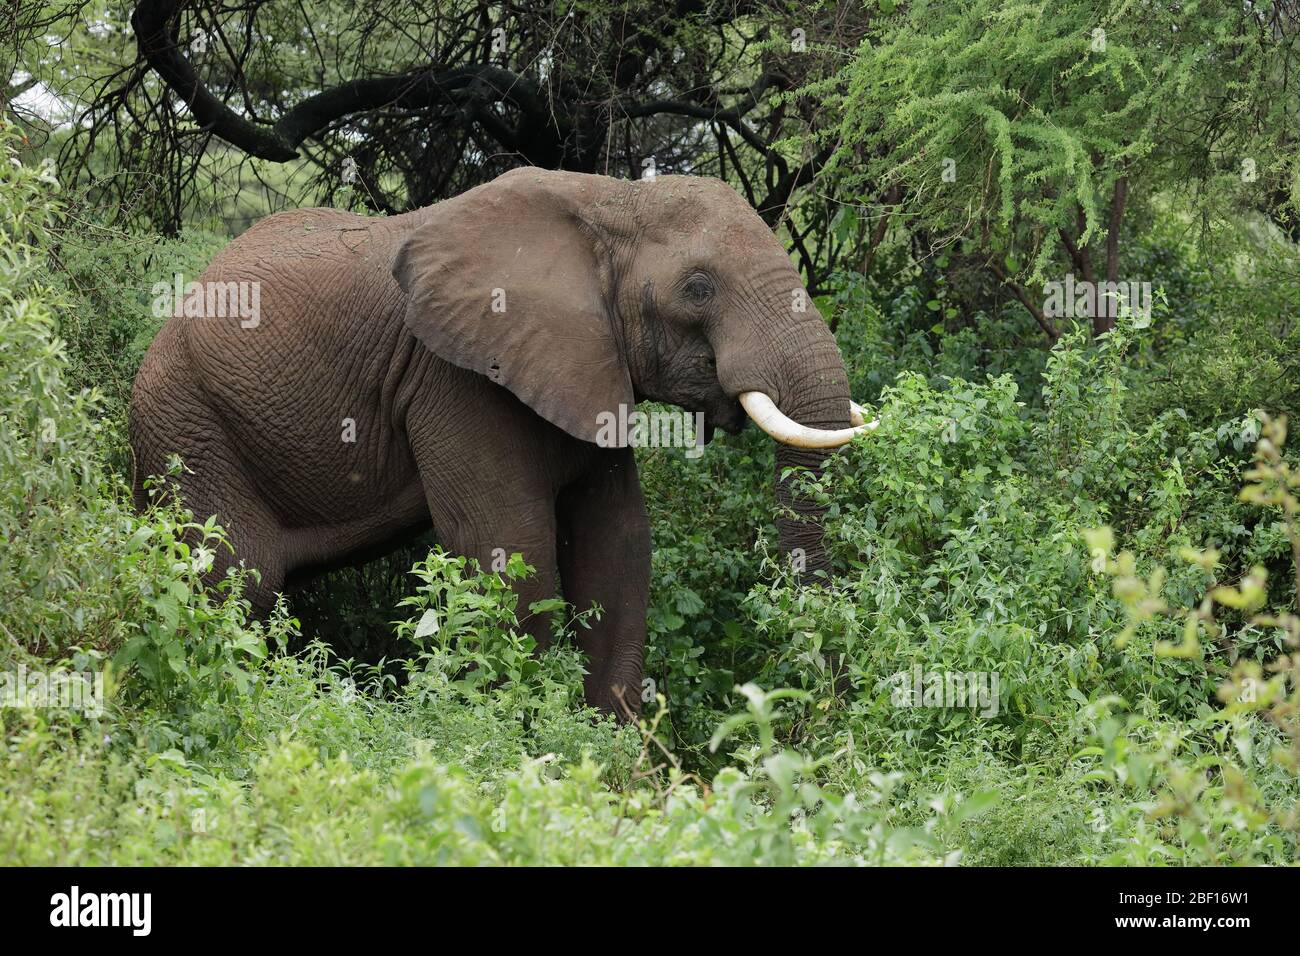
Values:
[(451, 366)]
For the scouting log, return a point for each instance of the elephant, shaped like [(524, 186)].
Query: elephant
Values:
[(449, 367)]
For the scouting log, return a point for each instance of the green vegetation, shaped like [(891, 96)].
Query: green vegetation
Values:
[(1104, 521)]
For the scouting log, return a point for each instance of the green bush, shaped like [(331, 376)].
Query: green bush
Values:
[(959, 532), (83, 574)]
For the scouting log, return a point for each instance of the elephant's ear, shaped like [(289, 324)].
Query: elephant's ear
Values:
[(508, 280)]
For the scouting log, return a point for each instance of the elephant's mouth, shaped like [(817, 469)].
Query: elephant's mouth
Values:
[(731, 418)]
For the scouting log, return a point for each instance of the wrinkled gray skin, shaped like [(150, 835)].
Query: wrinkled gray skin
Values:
[(483, 423)]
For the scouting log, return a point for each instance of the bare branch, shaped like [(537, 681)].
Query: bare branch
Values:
[(1026, 300)]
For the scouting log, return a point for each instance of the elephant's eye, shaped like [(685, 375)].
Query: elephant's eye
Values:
[(697, 288)]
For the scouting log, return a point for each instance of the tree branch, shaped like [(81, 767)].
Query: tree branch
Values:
[(1104, 320), (1079, 255), (470, 87), (155, 23), (1117, 200), (892, 197), (1022, 294)]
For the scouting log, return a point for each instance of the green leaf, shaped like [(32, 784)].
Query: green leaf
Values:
[(168, 610), (428, 624), (975, 805)]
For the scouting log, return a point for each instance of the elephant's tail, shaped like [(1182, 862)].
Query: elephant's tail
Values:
[(137, 482)]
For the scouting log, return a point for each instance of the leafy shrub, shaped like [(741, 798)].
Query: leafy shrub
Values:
[(957, 531), (82, 573)]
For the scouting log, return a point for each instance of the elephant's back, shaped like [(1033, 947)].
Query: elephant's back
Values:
[(304, 234), (310, 252), (307, 350), (314, 286)]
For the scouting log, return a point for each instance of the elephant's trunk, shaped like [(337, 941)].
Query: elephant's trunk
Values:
[(804, 404), (816, 396)]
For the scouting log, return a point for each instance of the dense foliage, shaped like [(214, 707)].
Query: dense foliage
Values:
[(1100, 527)]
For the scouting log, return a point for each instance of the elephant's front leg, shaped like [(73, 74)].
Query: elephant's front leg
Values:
[(536, 543), (604, 557), (490, 500)]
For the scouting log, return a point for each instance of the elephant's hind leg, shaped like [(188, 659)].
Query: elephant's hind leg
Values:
[(212, 482), (255, 538)]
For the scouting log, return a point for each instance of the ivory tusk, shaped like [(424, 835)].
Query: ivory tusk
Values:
[(789, 432)]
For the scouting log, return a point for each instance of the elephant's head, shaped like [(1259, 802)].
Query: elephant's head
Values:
[(582, 293)]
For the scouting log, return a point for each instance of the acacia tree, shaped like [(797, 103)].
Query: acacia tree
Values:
[(1014, 136), (416, 103)]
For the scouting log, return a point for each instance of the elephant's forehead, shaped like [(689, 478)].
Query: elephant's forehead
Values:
[(750, 235), (699, 237), (707, 217), (707, 196), (689, 216)]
